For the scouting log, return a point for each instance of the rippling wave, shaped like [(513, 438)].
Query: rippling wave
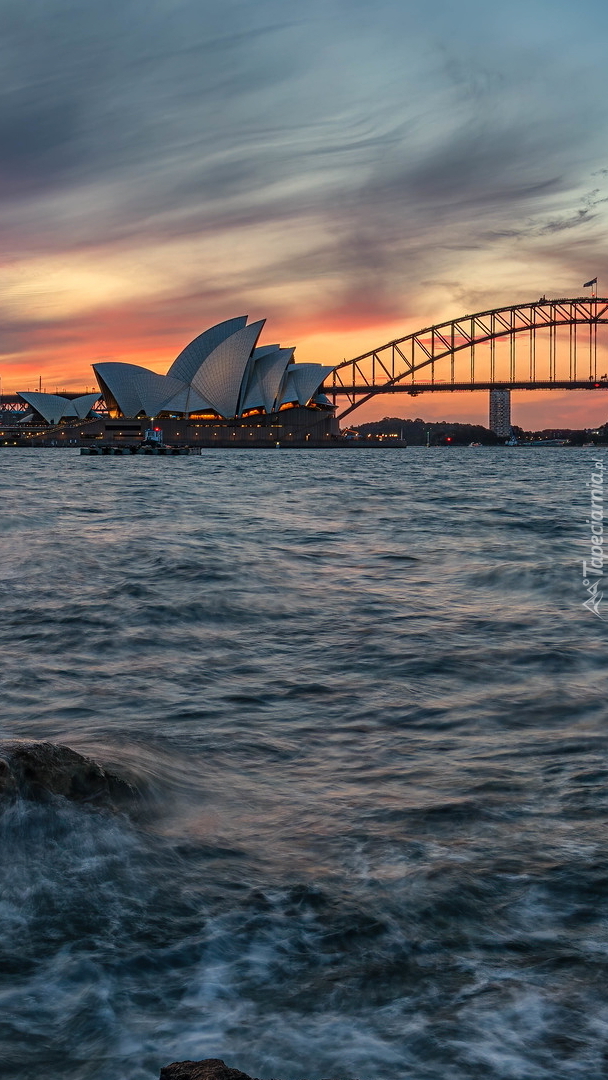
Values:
[(364, 711)]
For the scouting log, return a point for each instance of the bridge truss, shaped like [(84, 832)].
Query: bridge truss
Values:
[(546, 345)]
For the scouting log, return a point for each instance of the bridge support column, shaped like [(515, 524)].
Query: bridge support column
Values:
[(500, 412)]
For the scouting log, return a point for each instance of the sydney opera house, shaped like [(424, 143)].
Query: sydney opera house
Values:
[(223, 374), (222, 380)]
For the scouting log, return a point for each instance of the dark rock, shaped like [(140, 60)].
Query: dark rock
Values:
[(37, 770), (208, 1069)]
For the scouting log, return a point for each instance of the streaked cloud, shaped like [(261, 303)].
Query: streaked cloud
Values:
[(351, 172)]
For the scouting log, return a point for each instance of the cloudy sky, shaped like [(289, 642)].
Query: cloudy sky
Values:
[(350, 171)]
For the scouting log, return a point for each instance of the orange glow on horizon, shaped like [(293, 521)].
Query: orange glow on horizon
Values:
[(59, 355)]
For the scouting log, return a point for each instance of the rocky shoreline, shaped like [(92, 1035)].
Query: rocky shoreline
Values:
[(44, 771)]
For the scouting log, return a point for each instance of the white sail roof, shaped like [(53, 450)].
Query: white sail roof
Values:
[(301, 382), (154, 390), (119, 380), (187, 401), (266, 378), (50, 406), (289, 390), (248, 377), (308, 378), (220, 375), (84, 404), (137, 389), (54, 407), (262, 350), (190, 359)]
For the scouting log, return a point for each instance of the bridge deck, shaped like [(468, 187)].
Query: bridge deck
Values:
[(420, 387)]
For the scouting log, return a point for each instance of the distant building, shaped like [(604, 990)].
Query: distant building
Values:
[(500, 412)]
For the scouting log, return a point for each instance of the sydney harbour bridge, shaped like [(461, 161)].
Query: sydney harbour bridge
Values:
[(544, 345)]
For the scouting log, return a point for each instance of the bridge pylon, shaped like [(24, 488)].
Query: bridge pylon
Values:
[(500, 411)]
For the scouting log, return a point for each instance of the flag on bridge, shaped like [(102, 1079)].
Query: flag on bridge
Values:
[(588, 283)]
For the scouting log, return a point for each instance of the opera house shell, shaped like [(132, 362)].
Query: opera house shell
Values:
[(56, 407), (222, 374)]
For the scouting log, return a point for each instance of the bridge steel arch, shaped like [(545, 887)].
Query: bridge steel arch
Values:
[(569, 361)]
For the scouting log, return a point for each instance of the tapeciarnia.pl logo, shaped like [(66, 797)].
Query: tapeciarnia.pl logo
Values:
[(593, 569)]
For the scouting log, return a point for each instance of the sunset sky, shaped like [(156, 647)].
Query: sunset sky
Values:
[(350, 171)]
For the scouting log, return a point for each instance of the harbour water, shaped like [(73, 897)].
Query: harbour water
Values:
[(365, 711)]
